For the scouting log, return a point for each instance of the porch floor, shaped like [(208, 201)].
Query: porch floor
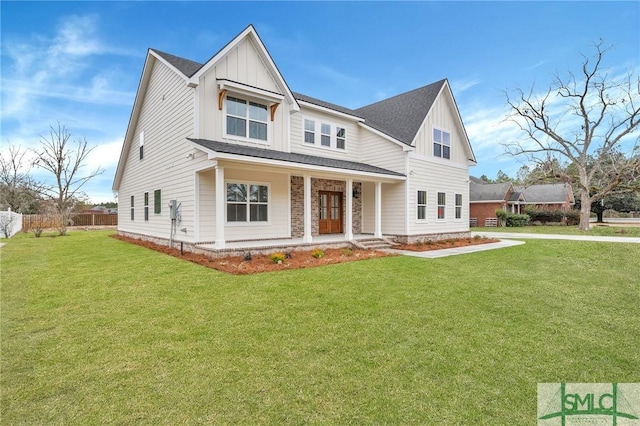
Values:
[(285, 242)]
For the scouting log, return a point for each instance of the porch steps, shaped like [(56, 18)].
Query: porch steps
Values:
[(374, 244)]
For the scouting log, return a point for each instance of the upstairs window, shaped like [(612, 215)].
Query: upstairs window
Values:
[(340, 137), (458, 206), (421, 213), (325, 134), (309, 131), (441, 144), (246, 119), (141, 143), (331, 136), (442, 204)]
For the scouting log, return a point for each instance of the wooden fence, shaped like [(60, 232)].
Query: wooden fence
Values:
[(44, 221)]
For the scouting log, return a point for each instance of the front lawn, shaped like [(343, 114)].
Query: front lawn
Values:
[(98, 331), (596, 230)]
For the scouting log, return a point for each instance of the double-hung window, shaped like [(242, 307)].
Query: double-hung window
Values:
[(325, 134), (132, 207), (458, 206), (340, 138), (421, 213), (246, 119), (146, 206), (442, 204), (247, 202), (141, 144), (441, 144), (157, 201), (309, 131)]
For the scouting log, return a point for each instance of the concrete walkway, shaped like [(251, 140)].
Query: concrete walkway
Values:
[(433, 254), (517, 235), (509, 239)]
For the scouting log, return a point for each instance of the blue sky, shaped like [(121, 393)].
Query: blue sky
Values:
[(80, 62)]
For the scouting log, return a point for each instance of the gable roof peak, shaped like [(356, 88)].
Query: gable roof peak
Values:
[(401, 116)]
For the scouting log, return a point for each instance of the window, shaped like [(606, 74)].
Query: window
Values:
[(422, 205), (157, 201), (146, 206), (325, 134), (309, 131), (442, 202), (247, 202), (246, 118), (331, 136), (141, 143), (132, 209), (458, 206), (441, 144), (340, 137)]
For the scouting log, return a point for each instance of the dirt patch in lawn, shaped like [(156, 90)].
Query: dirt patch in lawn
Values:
[(257, 263), (445, 244)]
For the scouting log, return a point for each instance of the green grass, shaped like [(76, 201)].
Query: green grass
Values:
[(597, 230), (97, 331)]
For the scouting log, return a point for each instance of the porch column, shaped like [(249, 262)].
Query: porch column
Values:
[(377, 232), (220, 213), (348, 234), (306, 238)]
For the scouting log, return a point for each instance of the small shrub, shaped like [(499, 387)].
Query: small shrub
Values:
[(347, 252), (317, 253), (248, 257), (277, 257)]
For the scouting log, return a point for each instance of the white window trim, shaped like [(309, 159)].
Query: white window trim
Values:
[(333, 134), (248, 222), (426, 206), (455, 207), (441, 219), (433, 142), (247, 99)]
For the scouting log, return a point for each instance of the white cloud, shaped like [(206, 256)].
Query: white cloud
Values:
[(459, 86)]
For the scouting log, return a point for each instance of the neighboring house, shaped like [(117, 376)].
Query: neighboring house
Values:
[(486, 198), (243, 159)]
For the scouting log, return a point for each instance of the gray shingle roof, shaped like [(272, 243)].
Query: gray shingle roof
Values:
[(401, 116), (291, 157), (476, 180), (545, 193), (488, 191), (329, 105), (185, 66)]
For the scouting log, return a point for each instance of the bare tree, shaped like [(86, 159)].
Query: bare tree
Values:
[(65, 161), (592, 115), (18, 190)]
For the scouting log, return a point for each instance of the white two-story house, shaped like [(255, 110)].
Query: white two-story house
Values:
[(224, 155)]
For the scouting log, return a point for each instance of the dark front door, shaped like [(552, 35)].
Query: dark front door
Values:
[(330, 212)]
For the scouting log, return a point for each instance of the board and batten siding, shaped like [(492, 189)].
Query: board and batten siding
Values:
[(352, 141), (443, 116), (243, 64), (166, 118), (433, 178)]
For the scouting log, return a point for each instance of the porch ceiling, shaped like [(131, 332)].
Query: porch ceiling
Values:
[(289, 159)]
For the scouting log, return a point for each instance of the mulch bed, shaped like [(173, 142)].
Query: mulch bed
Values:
[(237, 265), (445, 244)]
